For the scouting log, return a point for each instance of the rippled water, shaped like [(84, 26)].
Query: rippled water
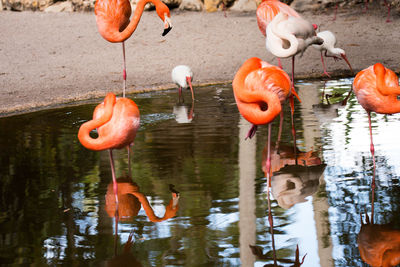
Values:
[(52, 190)]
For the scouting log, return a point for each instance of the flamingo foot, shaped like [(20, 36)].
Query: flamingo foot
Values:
[(251, 132), (327, 74)]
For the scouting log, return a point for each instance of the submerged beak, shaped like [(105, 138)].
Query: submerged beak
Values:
[(167, 26), (189, 80), (347, 61)]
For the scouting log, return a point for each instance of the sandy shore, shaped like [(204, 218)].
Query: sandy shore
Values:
[(51, 59)]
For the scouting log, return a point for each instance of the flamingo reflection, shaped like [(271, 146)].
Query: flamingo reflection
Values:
[(291, 183), (131, 200), (275, 162), (379, 244), (126, 258)]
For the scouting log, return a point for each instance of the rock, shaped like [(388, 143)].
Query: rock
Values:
[(308, 5), (244, 5), (211, 5), (65, 6), (191, 5)]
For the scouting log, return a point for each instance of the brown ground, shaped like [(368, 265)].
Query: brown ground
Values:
[(51, 59)]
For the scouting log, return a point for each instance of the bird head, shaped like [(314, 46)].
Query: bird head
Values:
[(163, 12), (167, 25)]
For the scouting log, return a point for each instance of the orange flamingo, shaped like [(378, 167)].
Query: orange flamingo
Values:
[(260, 89), (268, 9), (114, 24), (376, 89), (117, 121)]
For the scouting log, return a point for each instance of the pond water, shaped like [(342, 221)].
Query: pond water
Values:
[(53, 208)]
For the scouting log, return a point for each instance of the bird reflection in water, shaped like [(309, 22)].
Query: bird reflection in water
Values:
[(295, 175), (183, 112), (291, 183), (126, 258), (131, 200), (379, 244)]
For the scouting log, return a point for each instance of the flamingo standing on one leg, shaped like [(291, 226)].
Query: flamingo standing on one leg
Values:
[(260, 89), (114, 24), (377, 89), (286, 37), (117, 121), (182, 75)]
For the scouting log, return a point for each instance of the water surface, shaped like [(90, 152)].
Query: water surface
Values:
[(52, 190)]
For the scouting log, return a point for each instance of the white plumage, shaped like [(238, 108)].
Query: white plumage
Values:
[(328, 46), (287, 36), (182, 75)]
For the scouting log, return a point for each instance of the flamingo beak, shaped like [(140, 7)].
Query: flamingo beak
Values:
[(189, 81), (347, 61), (167, 26)]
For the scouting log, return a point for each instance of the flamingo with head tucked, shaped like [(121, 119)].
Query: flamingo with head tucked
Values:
[(288, 36), (117, 121), (377, 90), (260, 89), (114, 24)]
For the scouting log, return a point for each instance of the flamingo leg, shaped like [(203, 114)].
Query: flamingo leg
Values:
[(115, 184), (292, 113), (365, 6), (280, 130), (268, 172), (388, 13), (280, 63), (372, 148), (129, 160), (323, 65), (124, 70), (334, 14)]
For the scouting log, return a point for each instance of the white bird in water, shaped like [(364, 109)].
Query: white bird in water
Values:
[(182, 75), (328, 46)]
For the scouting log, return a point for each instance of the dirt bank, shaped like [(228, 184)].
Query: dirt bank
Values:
[(48, 59)]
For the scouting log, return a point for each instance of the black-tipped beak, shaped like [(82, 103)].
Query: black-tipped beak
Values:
[(166, 30)]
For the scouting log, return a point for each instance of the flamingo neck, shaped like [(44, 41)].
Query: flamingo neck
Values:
[(114, 35), (170, 210), (85, 129), (277, 38)]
